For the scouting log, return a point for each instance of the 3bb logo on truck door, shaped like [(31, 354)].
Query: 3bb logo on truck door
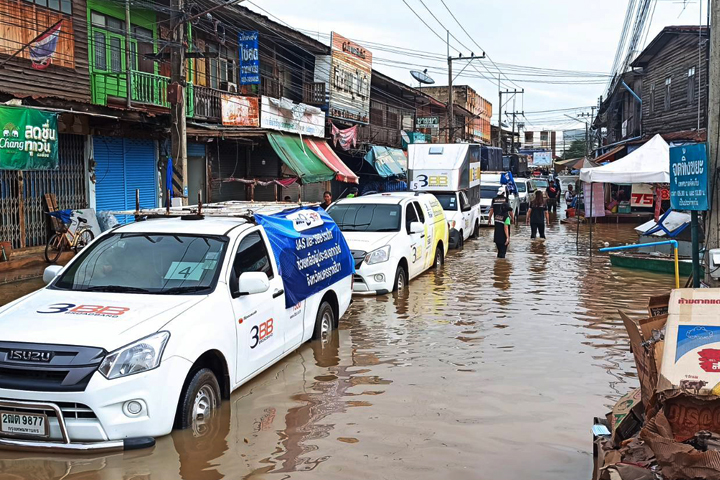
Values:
[(260, 333)]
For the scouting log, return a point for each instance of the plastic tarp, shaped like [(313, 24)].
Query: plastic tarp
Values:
[(310, 251), (648, 164), (388, 162), (300, 158), (323, 151)]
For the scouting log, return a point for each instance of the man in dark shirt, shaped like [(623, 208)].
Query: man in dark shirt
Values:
[(327, 200), (552, 194), (500, 215)]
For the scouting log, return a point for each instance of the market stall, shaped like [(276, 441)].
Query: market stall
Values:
[(649, 164)]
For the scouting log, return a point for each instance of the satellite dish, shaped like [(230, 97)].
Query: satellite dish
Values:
[(422, 77)]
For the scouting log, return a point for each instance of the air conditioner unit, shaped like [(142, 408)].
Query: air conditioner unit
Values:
[(229, 87)]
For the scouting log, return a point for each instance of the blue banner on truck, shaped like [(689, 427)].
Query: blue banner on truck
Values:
[(309, 249)]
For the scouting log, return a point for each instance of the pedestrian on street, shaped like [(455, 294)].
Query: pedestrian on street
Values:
[(569, 196), (537, 215), (559, 188), (327, 200), (500, 214), (353, 193), (552, 194)]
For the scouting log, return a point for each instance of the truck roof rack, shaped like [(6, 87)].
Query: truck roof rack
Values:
[(232, 209)]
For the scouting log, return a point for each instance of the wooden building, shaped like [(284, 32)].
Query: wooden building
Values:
[(674, 81)]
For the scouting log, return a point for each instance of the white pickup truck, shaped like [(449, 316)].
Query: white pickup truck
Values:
[(158, 321)]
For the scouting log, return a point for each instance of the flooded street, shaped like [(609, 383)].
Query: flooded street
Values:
[(487, 369)]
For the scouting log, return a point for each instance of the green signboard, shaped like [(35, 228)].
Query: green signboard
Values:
[(28, 139)]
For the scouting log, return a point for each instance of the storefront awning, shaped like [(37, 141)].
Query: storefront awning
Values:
[(388, 162), (323, 151), (300, 158)]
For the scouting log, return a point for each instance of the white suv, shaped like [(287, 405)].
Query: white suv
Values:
[(151, 326)]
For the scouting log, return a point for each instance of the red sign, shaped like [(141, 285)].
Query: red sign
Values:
[(710, 359)]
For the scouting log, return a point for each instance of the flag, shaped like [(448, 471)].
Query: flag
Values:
[(43, 49), (347, 137)]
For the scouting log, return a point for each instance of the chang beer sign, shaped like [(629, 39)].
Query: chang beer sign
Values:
[(28, 139)]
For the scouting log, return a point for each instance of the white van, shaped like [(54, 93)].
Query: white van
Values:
[(393, 237), (489, 190), (156, 322), (451, 172)]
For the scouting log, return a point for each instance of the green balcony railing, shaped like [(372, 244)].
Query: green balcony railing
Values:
[(147, 89)]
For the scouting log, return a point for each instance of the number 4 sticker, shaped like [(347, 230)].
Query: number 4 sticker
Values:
[(184, 271)]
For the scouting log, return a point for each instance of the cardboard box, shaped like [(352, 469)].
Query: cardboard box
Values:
[(691, 356), (658, 305)]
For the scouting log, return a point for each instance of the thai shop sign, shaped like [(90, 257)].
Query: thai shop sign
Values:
[(249, 58), (350, 71), (427, 122), (29, 139), (287, 116), (689, 177), (239, 111)]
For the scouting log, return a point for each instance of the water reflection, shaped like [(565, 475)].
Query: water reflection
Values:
[(492, 366)]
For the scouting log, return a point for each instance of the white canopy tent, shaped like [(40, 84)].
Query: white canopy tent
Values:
[(648, 164)]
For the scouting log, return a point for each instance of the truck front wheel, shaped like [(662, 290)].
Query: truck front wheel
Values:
[(200, 397), (324, 322)]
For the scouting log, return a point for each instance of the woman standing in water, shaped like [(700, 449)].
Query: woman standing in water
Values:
[(537, 215)]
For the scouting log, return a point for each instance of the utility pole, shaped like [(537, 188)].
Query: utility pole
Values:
[(587, 130), (128, 57), (500, 94), (178, 126), (451, 117), (512, 135), (712, 220), (451, 92)]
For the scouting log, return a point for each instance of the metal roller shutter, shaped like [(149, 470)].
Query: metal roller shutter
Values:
[(109, 173), (140, 173), (123, 166)]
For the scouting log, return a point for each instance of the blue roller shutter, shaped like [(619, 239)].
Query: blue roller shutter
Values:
[(196, 150), (109, 173), (140, 173), (122, 166)]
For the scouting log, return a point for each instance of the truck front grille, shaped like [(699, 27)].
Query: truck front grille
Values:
[(55, 368), (68, 409)]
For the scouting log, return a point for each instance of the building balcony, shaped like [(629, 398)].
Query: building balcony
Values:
[(376, 135), (315, 94), (208, 105), (148, 90)]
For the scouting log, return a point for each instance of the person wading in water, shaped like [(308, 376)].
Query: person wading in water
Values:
[(501, 215), (537, 215)]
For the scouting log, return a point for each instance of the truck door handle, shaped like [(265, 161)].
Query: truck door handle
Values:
[(422, 236), (278, 292)]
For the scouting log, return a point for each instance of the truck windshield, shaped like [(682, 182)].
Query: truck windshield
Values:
[(541, 183), (489, 191), (448, 201), (147, 263), (521, 187), (366, 217)]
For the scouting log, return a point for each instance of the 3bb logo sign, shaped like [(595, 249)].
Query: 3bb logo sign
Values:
[(260, 333), (93, 310)]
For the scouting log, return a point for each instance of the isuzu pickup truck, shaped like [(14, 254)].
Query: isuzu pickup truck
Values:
[(156, 322)]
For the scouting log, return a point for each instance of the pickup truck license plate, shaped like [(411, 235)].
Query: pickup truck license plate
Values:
[(15, 423)]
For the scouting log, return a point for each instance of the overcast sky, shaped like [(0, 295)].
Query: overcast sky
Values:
[(578, 35)]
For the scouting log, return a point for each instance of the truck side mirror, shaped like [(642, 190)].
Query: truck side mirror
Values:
[(416, 227), (51, 272), (251, 283)]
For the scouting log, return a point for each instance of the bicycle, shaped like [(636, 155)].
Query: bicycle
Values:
[(63, 237)]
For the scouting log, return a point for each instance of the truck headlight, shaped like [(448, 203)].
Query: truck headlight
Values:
[(380, 255), (139, 356)]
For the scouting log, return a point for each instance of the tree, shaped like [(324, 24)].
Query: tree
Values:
[(576, 150)]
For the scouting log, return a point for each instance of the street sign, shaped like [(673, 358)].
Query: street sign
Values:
[(689, 177)]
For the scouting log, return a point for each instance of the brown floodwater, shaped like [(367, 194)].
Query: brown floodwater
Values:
[(488, 369)]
